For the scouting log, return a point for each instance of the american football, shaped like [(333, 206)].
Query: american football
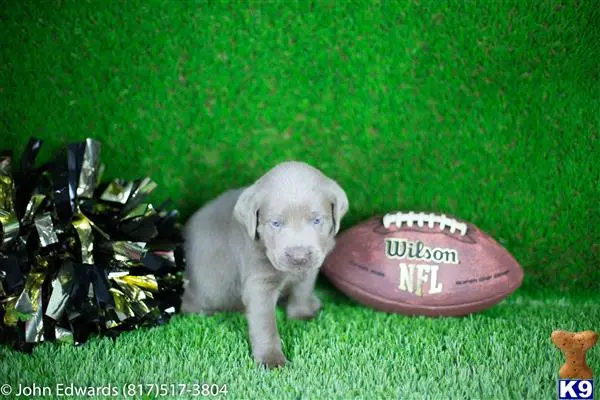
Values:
[(422, 264)]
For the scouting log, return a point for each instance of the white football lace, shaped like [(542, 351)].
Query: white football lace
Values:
[(420, 219)]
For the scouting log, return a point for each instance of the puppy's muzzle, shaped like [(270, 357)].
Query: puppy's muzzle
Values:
[(298, 256)]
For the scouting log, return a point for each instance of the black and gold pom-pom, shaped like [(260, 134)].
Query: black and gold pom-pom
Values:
[(81, 257)]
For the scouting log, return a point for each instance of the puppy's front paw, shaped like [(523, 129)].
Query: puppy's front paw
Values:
[(305, 309), (271, 359)]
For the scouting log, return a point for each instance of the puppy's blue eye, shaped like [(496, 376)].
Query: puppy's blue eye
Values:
[(276, 224), (316, 221)]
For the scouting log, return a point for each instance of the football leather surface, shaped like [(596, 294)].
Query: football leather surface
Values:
[(422, 264)]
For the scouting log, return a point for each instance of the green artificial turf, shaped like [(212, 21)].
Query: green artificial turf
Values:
[(487, 110), (347, 352)]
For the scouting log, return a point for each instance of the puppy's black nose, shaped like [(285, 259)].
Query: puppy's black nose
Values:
[(298, 255)]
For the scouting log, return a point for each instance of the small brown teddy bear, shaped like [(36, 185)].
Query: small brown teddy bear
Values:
[(574, 346)]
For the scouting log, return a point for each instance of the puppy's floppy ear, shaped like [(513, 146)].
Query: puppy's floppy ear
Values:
[(339, 202), (246, 210)]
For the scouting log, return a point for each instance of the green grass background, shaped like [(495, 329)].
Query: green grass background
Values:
[(489, 110)]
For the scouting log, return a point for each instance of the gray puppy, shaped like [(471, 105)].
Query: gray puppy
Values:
[(250, 247)]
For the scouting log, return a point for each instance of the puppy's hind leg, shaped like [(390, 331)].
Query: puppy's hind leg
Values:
[(190, 304), (186, 309)]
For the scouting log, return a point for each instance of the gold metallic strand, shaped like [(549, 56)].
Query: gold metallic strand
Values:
[(84, 230), (41, 262), (142, 210), (9, 224), (122, 306), (117, 191), (133, 292), (27, 303), (145, 187), (109, 324), (11, 315), (32, 206), (126, 251), (147, 282)]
